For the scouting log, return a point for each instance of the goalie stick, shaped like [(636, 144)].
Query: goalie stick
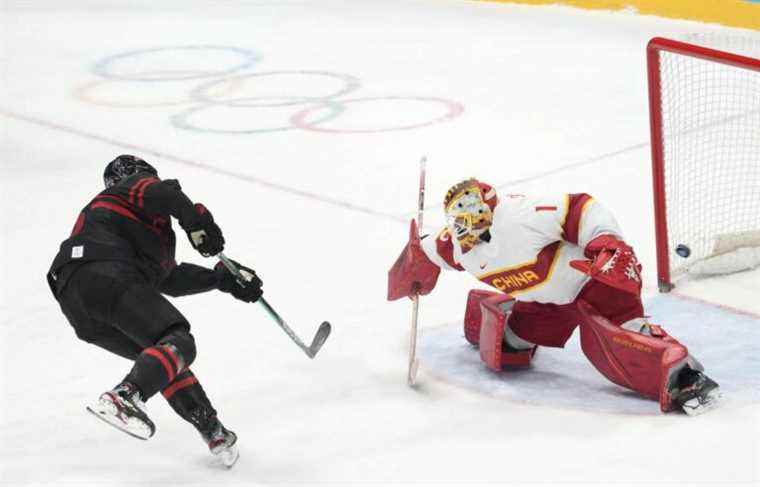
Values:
[(319, 338), (413, 365)]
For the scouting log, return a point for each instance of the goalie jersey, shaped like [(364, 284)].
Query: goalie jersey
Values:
[(532, 241)]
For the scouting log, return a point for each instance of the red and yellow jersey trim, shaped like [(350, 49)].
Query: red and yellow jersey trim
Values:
[(527, 276), (575, 207)]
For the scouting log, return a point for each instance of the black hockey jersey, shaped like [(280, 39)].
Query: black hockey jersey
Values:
[(131, 222)]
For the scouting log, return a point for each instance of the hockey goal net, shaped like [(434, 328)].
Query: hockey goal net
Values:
[(704, 108)]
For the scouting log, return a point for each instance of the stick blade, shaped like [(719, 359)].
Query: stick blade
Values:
[(319, 339)]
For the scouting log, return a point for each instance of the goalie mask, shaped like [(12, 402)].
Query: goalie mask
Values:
[(469, 211)]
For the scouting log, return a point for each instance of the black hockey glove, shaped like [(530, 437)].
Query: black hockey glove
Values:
[(205, 236), (249, 292)]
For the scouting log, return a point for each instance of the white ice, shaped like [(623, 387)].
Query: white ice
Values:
[(554, 100)]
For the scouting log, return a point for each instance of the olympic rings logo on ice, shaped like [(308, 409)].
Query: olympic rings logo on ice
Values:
[(224, 89)]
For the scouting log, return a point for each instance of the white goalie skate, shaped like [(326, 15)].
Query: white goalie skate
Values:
[(124, 409)]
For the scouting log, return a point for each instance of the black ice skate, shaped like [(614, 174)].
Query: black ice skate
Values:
[(221, 442), (124, 409), (697, 393)]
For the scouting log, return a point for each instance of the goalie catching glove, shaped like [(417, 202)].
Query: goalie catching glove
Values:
[(413, 273), (248, 290), (205, 236), (612, 263)]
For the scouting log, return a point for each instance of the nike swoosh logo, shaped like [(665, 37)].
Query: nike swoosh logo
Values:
[(483, 266)]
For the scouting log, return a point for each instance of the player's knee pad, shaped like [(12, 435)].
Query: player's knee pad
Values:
[(473, 314), (646, 360), (495, 351), (181, 343)]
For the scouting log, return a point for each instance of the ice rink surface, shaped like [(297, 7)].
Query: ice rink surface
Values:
[(300, 125)]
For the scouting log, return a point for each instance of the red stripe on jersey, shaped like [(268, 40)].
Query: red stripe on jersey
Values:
[(179, 385), (445, 249), (572, 226), (523, 277), (116, 208), (78, 225), (170, 372), (123, 212), (135, 187), (546, 208), (114, 197), (142, 191)]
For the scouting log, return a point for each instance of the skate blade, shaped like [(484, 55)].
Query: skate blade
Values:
[(139, 431), (228, 457), (694, 408)]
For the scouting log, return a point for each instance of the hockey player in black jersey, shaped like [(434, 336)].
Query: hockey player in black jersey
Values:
[(109, 277)]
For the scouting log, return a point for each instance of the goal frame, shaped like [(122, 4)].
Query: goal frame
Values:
[(654, 48)]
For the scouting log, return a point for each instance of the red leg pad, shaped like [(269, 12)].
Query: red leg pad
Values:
[(495, 311), (632, 360), (473, 315)]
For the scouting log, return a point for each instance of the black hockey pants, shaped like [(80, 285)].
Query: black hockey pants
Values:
[(110, 304)]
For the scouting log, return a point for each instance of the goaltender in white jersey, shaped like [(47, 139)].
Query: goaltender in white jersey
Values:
[(557, 264), (532, 242)]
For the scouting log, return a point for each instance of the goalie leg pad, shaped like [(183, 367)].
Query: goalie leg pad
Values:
[(495, 311), (473, 315), (646, 364)]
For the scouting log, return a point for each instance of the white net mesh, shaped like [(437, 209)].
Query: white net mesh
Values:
[(711, 139)]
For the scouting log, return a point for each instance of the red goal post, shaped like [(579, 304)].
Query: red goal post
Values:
[(704, 107)]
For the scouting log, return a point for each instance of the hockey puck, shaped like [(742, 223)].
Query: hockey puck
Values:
[(683, 250)]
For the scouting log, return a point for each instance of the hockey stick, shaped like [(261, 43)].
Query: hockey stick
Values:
[(319, 338), (413, 362)]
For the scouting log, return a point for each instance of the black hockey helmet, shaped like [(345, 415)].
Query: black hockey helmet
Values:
[(124, 166)]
